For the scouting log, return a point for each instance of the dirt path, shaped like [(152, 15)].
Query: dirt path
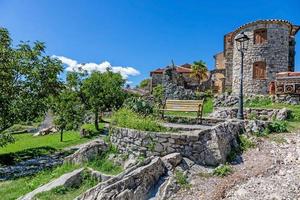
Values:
[(270, 171)]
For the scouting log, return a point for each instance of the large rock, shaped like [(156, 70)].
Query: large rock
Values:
[(87, 152), (71, 179), (172, 160), (134, 184)]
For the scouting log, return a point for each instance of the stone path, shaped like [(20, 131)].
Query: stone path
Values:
[(270, 171), (68, 179)]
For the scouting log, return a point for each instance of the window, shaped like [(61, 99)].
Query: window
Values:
[(260, 36), (259, 70)]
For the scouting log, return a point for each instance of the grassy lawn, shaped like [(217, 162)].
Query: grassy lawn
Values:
[(16, 188), (207, 108), (28, 146)]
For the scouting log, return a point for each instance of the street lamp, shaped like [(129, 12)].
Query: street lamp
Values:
[(241, 44)]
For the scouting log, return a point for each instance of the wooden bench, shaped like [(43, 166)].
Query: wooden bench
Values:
[(184, 106)]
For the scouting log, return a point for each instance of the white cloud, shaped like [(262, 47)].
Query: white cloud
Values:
[(73, 65)]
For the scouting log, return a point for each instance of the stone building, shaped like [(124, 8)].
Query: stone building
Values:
[(270, 50)]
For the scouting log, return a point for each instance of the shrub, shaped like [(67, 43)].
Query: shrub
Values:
[(258, 101), (159, 95), (181, 179), (222, 170), (90, 130), (245, 143), (139, 105), (128, 119), (278, 127)]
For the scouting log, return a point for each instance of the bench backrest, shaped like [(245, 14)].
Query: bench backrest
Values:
[(184, 105)]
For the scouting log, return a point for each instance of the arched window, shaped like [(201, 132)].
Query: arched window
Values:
[(259, 70), (260, 36)]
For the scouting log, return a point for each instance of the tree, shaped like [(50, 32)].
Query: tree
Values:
[(199, 71), (144, 83), (68, 110), (28, 78), (103, 92), (159, 95)]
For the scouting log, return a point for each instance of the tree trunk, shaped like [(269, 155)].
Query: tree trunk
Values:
[(61, 134), (97, 121)]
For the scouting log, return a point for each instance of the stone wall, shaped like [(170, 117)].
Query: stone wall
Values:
[(207, 147), (251, 113), (275, 53)]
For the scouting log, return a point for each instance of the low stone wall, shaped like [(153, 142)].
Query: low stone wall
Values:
[(208, 121), (206, 147), (251, 113)]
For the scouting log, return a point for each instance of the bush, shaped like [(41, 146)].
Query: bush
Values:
[(278, 127), (128, 119), (181, 179), (258, 101), (90, 130), (245, 143), (139, 105), (222, 170)]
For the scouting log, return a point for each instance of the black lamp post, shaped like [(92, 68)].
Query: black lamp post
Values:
[(241, 44)]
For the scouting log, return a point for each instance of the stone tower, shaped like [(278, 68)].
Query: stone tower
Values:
[(271, 49)]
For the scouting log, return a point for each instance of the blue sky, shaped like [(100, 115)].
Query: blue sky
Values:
[(142, 34)]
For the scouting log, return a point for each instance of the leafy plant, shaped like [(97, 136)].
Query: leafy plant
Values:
[(159, 95), (144, 83), (126, 118), (139, 105), (181, 179), (278, 127), (222, 170), (245, 143)]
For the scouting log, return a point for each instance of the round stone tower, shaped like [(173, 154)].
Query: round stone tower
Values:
[(270, 50)]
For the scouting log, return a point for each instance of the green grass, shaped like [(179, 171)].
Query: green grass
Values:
[(104, 165), (222, 170), (128, 119), (15, 188), (28, 141), (63, 193), (181, 179), (207, 109), (27, 146)]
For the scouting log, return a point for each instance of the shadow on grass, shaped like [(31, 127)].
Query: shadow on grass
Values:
[(13, 158)]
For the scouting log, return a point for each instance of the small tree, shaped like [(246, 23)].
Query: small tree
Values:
[(159, 95), (199, 71), (68, 110), (103, 92)]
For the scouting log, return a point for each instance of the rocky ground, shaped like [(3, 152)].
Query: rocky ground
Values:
[(269, 171)]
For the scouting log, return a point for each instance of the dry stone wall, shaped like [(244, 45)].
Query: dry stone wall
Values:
[(206, 147)]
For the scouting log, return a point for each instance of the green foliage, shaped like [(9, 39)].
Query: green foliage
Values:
[(159, 95), (252, 116), (128, 119), (90, 128), (103, 92), (258, 101), (104, 164), (28, 78), (245, 143), (278, 127), (68, 110), (144, 83), (222, 170), (6, 138), (15, 188), (139, 105), (181, 179), (199, 71)]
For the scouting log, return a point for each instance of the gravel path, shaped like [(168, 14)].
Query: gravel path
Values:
[(270, 171)]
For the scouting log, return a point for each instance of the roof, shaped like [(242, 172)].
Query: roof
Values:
[(287, 74), (185, 68)]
